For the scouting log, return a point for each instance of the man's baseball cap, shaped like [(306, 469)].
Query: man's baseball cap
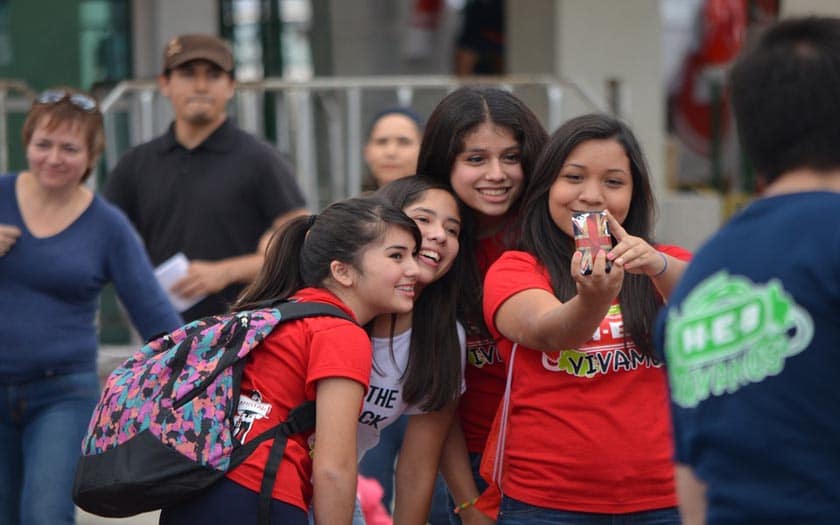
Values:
[(197, 46)]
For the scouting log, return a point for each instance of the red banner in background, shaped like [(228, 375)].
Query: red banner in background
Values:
[(722, 27)]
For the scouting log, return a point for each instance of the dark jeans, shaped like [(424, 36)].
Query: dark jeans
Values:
[(440, 510), (515, 512), (42, 423)]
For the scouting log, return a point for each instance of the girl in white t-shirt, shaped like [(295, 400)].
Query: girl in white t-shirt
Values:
[(418, 357)]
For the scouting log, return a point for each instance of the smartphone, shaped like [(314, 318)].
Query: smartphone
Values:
[(592, 233)]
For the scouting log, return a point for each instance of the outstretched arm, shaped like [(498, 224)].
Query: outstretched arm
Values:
[(536, 319)]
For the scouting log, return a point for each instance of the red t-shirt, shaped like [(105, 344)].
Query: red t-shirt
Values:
[(283, 373), (589, 428), (484, 374)]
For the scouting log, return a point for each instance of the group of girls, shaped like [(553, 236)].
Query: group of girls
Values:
[(467, 280)]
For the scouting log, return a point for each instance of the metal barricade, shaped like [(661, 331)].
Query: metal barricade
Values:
[(319, 124), (15, 97)]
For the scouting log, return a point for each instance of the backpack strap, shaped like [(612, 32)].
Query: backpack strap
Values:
[(291, 310), (234, 332), (300, 419)]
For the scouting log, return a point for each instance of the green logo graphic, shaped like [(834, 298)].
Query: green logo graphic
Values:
[(731, 332)]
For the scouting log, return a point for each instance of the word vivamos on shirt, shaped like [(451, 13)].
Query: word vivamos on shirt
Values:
[(609, 351), (731, 332)]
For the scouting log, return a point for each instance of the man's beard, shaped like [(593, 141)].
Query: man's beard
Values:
[(200, 118)]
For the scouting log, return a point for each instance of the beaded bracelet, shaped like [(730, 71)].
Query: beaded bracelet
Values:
[(464, 505), (664, 268)]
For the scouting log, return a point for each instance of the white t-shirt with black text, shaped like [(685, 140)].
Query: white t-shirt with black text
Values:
[(383, 403)]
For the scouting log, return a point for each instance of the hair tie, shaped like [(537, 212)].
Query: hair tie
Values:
[(311, 220)]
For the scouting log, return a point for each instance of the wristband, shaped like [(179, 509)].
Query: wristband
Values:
[(464, 505), (664, 268)]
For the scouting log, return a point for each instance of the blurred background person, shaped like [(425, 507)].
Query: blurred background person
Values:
[(70, 243), (392, 146), (480, 44), (205, 188)]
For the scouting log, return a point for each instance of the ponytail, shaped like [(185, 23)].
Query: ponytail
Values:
[(302, 253), (280, 275)]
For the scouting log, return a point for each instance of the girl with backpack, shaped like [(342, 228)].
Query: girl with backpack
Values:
[(483, 143), (357, 255), (585, 431), (418, 356)]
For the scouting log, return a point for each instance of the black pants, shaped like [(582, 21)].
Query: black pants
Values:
[(226, 503)]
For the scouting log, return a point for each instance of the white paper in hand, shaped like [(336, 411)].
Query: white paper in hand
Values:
[(171, 271)]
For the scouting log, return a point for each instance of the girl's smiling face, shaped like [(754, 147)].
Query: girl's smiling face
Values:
[(387, 274), (392, 148), (436, 214), (596, 176), (58, 158), (487, 175)]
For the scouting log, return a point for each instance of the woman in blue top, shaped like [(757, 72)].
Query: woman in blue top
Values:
[(60, 244)]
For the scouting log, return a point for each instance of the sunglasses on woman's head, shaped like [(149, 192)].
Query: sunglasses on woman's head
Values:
[(54, 96)]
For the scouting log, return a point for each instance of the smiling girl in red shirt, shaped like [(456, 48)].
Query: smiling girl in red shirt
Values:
[(586, 434), (357, 255)]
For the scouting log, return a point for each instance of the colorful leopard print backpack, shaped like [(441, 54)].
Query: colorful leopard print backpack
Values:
[(164, 426)]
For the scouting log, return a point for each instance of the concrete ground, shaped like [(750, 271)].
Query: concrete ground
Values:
[(112, 356), (83, 518)]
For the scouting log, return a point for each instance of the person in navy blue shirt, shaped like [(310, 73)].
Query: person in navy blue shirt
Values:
[(61, 244), (751, 333)]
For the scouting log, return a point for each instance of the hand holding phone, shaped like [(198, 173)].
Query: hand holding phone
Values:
[(592, 234)]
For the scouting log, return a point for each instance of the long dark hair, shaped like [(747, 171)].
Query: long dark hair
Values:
[(300, 254), (554, 249), (433, 374), (455, 117)]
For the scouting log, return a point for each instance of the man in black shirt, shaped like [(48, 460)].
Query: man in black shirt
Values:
[(205, 188)]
